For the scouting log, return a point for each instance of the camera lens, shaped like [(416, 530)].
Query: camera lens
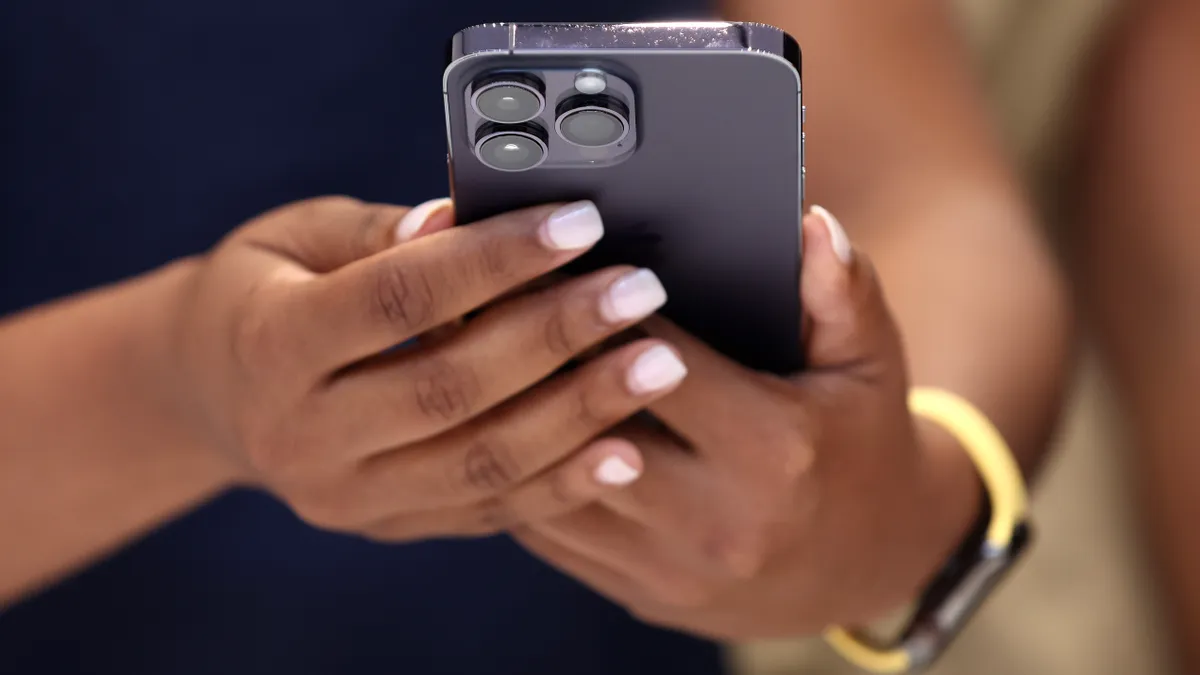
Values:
[(592, 121), (508, 99), (511, 147)]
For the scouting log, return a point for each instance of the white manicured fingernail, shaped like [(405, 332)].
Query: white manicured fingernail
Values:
[(573, 227), (837, 235), (634, 296), (414, 221), (616, 471), (656, 369)]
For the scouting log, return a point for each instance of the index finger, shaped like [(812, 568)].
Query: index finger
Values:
[(325, 233), (382, 301)]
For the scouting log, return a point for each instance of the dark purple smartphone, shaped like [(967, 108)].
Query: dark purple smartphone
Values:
[(689, 138)]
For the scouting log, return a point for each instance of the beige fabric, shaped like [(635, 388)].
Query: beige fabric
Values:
[(1080, 605)]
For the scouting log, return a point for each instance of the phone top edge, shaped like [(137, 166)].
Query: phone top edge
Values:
[(690, 35)]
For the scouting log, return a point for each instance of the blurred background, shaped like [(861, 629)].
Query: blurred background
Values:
[(1084, 602)]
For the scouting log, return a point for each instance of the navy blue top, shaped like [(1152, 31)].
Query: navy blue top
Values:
[(133, 132)]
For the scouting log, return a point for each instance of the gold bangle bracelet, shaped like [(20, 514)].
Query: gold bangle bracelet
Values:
[(955, 594)]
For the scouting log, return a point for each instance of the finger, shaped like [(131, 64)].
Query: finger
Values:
[(693, 506), (603, 467), (503, 449), (440, 334), (723, 408), (502, 352), (376, 303), (664, 503), (326, 233), (850, 327)]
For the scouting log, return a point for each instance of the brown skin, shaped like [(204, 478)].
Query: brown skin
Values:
[(807, 501), (832, 505), (1139, 274), (712, 540), (255, 365)]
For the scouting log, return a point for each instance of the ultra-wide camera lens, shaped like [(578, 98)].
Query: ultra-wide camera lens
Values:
[(508, 99), (511, 147), (592, 121)]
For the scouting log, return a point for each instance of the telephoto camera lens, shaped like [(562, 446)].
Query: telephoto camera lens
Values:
[(592, 121), (511, 147), (508, 98)]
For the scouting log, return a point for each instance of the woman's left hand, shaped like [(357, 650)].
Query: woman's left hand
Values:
[(775, 507)]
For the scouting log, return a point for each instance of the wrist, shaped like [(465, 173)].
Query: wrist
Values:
[(164, 384)]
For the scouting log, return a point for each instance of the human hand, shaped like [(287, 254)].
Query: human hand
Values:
[(775, 507), (284, 339)]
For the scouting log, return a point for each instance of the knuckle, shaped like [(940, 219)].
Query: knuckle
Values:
[(600, 401), (566, 331), (373, 228), (788, 450), (402, 297), (557, 335), (741, 551), (488, 466), (591, 410), (445, 392), (495, 515), (562, 494), (798, 461), (745, 557), (493, 260)]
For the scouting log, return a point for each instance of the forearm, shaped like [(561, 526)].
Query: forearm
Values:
[(900, 147), (1139, 274), (91, 451)]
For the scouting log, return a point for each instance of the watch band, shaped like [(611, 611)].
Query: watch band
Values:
[(981, 562)]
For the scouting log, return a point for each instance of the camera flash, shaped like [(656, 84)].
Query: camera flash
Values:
[(590, 81)]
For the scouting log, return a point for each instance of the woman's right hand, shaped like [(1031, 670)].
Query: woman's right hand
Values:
[(284, 350)]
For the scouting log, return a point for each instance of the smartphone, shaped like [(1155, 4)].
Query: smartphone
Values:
[(689, 137)]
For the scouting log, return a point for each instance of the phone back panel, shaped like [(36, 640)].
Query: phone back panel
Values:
[(711, 199)]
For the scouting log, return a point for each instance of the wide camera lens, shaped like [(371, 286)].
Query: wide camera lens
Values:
[(511, 147), (592, 121), (508, 99)]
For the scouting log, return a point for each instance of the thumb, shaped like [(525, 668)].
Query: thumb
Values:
[(849, 325)]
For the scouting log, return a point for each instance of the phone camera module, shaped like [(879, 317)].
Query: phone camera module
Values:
[(509, 147), (508, 98), (592, 121)]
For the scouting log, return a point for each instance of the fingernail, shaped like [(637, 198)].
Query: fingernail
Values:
[(634, 296), (656, 369), (837, 235), (573, 227), (616, 471), (414, 221)]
